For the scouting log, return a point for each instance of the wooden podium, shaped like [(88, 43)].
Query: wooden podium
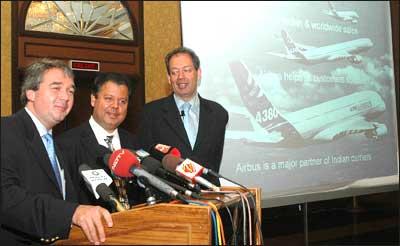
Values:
[(164, 223)]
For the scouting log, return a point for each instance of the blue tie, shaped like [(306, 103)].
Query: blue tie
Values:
[(52, 156), (189, 124)]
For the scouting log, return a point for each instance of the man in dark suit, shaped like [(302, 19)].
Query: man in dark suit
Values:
[(39, 201), (88, 144), (185, 120)]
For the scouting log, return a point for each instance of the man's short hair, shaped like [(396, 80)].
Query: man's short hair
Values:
[(34, 74), (182, 50), (117, 78)]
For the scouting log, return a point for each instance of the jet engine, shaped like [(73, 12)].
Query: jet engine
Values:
[(355, 59)]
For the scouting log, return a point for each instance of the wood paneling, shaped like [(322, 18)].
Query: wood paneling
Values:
[(121, 56)]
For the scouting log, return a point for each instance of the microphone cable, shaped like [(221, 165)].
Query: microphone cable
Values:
[(252, 198)]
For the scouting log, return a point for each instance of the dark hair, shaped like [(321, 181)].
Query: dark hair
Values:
[(182, 50), (35, 71), (117, 78)]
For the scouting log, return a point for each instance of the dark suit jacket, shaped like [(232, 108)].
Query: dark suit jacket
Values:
[(80, 146), (161, 123), (32, 209)]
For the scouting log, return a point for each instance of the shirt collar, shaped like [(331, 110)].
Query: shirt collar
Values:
[(195, 102), (99, 130), (39, 126)]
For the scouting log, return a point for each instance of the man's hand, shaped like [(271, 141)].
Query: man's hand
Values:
[(88, 218)]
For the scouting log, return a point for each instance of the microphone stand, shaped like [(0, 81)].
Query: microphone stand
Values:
[(150, 197)]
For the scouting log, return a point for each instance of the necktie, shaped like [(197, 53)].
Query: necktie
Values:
[(108, 141), (119, 182), (49, 144), (188, 122)]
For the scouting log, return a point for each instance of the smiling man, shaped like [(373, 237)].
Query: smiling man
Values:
[(184, 119), (89, 142), (39, 200)]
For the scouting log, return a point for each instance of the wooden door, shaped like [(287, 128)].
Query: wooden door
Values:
[(114, 55)]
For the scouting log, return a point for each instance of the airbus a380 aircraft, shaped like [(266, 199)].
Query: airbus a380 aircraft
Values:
[(348, 16), (311, 55), (347, 115)]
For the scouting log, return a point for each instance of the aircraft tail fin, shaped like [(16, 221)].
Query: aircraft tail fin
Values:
[(255, 100), (291, 47)]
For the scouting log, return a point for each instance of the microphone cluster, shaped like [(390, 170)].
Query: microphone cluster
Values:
[(162, 169)]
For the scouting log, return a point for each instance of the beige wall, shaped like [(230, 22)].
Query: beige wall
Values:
[(5, 58), (162, 32)]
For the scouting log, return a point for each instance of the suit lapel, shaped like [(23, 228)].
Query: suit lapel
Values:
[(89, 141), (173, 119), (124, 141), (206, 121), (36, 144)]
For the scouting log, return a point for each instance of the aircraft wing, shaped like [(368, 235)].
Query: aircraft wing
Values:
[(355, 125), (286, 56), (255, 136), (339, 56), (304, 47)]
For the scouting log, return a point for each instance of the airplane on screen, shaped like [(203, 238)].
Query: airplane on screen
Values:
[(311, 55), (347, 115), (347, 16)]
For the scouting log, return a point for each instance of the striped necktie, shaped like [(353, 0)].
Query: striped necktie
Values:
[(108, 141), (119, 182), (49, 144)]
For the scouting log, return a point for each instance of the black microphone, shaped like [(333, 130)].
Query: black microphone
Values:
[(183, 189), (155, 167), (96, 180), (182, 113)]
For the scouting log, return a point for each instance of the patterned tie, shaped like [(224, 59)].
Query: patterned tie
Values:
[(119, 182), (189, 124), (108, 141), (49, 144)]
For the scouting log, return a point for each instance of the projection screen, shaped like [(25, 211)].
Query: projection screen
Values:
[(309, 87)]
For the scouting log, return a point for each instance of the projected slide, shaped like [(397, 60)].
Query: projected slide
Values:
[(309, 87)]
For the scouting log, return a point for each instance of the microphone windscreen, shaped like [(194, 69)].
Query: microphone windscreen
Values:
[(150, 164), (121, 161), (170, 162), (175, 152), (84, 167)]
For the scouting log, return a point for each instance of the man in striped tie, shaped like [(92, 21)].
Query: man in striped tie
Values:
[(100, 135)]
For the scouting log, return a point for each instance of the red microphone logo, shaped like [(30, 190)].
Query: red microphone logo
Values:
[(117, 158), (121, 161), (189, 167)]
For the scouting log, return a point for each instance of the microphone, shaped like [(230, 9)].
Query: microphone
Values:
[(188, 169), (158, 151), (182, 113), (124, 163), (154, 166), (98, 181), (150, 198), (183, 189)]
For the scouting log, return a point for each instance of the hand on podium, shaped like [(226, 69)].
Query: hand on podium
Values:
[(89, 219)]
